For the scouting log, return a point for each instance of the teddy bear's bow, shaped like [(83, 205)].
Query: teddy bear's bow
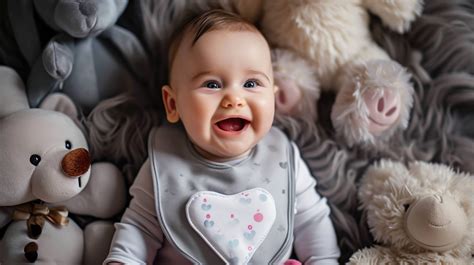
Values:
[(35, 215)]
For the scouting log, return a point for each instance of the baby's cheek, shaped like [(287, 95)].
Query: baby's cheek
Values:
[(263, 115)]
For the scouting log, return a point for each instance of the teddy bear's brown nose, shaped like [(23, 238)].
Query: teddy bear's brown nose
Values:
[(76, 162)]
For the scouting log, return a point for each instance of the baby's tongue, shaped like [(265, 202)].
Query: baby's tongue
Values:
[(232, 124)]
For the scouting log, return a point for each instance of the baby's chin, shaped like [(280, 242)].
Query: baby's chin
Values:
[(224, 154)]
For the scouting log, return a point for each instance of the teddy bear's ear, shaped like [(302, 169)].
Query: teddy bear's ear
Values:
[(12, 92), (377, 177), (434, 176), (61, 103)]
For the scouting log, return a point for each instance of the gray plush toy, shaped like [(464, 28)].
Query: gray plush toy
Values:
[(75, 47)]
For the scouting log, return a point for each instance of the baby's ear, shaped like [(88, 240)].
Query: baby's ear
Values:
[(61, 103), (169, 100)]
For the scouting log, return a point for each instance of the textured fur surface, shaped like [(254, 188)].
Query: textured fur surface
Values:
[(384, 191), (334, 37), (343, 26), (438, 51), (383, 255), (288, 65), (350, 114)]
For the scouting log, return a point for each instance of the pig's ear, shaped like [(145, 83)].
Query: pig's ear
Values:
[(12, 92)]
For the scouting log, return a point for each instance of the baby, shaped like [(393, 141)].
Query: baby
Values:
[(221, 184)]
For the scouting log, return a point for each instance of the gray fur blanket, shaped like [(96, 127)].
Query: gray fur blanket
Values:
[(438, 50)]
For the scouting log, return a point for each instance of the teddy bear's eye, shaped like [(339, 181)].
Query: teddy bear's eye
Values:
[(35, 159), (68, 144)]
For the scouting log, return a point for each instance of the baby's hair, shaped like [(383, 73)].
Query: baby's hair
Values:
[(215, 19)]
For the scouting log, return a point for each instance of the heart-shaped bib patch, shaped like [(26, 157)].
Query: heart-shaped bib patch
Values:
[(234, 226)]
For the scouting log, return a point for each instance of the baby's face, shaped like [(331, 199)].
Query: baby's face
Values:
[(222, 89)]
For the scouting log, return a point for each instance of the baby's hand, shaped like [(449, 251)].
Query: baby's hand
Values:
[(292, 262)]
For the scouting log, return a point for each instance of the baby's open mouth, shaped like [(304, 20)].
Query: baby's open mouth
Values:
[(232, 124)]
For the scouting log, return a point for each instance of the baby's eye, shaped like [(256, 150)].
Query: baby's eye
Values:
[(212, 84), (250, 84)]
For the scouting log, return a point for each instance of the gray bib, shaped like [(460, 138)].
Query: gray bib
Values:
[(179, 172)]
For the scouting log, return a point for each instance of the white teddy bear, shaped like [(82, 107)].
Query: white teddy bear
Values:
[(46, 172), (329, 41), (420, 214)]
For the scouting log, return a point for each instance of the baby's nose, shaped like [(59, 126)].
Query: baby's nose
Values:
[(232, 101)]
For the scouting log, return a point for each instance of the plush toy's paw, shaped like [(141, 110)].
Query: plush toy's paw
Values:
[(298, 89), (383, 109), (375, 99), (288, 96), (58, 58), (397, 15), (371, 256)]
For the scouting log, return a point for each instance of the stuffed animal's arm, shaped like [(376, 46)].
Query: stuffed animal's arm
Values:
[(104, 196), (58, 56), (53, 67), (370, 256), (397, 15)]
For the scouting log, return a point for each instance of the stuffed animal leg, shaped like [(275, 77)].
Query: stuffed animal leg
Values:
[(374, 100), (298, 89), (373, 92), (397, 15)]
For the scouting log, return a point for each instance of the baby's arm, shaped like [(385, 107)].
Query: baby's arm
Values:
[(138, 235), (315, 238)]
